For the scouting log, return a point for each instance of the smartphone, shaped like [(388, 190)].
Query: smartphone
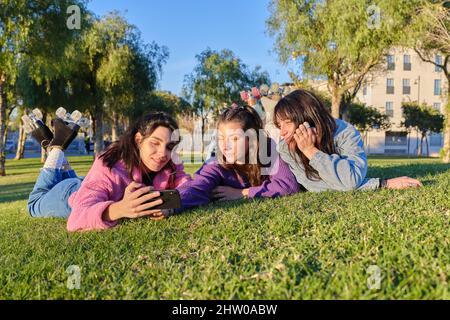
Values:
[(171, 199)]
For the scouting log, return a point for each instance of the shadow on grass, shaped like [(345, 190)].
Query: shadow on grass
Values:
[(212, 207), (19, 164), (413, 170), (20, 191), (417, 171), (16, 192), (23, 165)]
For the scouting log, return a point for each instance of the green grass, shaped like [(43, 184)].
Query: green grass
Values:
[(308, 246)]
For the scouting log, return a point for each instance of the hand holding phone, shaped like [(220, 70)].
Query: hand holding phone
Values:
[(170, 199)]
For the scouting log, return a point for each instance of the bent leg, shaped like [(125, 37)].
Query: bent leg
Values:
[(51, 193)]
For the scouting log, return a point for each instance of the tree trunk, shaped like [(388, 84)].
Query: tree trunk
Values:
[(446, 151), (98, 133), (426, 144), (21, 144), (364, 137), (5, 137), (336, 98), (3, 127), (408, 138), (44, 119), (203, 138), (421, 146), (446, 158), (125, 123), (417, 141), (115, 128)]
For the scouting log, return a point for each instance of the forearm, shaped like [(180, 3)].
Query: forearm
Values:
[(370, 184), (340, 173), (195, 193), (281, 183), (113, 212), (89, 217)]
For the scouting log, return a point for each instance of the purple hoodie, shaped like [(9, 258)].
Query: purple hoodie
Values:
[(198, 191)]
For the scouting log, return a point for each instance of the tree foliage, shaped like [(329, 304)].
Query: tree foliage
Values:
[(423, 118), (217, 80), (339, 40), (366, 118), (429, 34)]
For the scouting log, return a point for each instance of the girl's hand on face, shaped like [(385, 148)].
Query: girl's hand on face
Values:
[(402, 183), (225, 193), (306, 138), (132, 205)]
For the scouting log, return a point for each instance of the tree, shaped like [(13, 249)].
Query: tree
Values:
[(430, 35), (130, 89), (305, 84), (258, 77), (112, 69), (365, 119), (47, 96), (217, 81), (34, 30), (156, 101), (424, 119), (339, 40)]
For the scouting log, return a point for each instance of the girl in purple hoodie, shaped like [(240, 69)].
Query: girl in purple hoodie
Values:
[(247, 164)]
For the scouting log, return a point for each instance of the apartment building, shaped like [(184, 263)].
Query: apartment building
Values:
[(404, 78)]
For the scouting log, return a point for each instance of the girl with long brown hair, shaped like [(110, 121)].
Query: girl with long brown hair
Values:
[(123, 182), (324, 153), (246, 165)]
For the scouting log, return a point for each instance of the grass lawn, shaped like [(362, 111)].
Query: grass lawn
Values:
[(308, 246)]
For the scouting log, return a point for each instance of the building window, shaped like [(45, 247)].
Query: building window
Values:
[(437, 87), (438, 60), (390, 62), (390, 86), (396, 138), (407, 62), (390, 108), (406, 86), (437, 106)]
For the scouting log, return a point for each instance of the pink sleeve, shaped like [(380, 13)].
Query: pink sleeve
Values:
[(90, 201), (181, 177)]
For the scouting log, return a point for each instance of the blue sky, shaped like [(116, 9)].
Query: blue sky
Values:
[(187, 27)]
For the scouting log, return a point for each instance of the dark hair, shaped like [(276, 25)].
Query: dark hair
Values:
[(249, 119), (126, 148), (303, 106)]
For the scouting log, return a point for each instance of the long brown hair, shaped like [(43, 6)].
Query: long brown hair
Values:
[(249, 119), (303, 106), (127, 150)]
